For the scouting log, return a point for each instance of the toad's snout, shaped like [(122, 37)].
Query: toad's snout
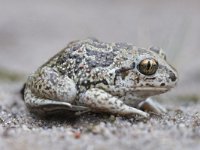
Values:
[(172, 79), (173, 76)]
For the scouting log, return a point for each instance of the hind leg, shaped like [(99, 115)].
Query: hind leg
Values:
[(47, 91)]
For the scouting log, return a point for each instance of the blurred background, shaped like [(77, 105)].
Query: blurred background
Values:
[(33, 31)]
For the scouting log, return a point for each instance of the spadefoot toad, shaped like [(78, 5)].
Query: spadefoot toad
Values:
[(89, 75)]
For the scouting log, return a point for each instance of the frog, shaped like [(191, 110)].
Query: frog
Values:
[(99, 77)]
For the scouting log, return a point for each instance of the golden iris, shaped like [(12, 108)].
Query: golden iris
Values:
[(148, 66)]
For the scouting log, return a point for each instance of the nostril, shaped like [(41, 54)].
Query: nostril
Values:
[(172, 76)]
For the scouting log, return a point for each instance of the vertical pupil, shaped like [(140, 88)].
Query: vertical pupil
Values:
[(148, 65)]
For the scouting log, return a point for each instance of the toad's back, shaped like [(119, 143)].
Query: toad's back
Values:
[(80, 57)]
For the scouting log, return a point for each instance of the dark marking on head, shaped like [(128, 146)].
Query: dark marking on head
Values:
[(123, 72), (133, 65), (172, 76)]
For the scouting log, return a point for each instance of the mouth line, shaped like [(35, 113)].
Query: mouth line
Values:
[(152, 89)]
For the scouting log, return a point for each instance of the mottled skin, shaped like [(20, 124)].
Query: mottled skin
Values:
[(89, 75)]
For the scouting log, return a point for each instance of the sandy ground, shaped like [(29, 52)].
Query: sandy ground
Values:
[(179, 129), (33, 31)]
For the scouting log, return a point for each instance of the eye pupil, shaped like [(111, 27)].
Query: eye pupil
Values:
[(148, 66)]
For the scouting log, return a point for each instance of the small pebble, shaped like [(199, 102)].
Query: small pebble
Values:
[(77, 135)]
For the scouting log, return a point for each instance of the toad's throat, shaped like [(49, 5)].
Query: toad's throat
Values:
[(149, 91)]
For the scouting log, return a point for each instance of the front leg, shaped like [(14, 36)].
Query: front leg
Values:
[(152, 106), (100, 101)]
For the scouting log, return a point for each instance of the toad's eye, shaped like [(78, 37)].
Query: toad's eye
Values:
[(148, 66)]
